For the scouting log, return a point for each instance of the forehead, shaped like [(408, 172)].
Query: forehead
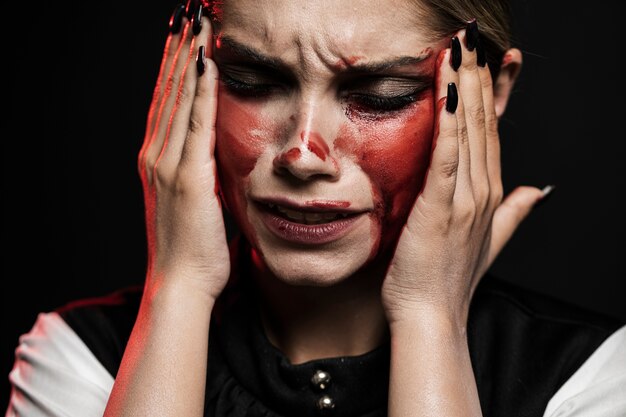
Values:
[(327, 30)]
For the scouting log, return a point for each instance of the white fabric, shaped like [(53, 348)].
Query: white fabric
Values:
[(55, 374), (598, 387)]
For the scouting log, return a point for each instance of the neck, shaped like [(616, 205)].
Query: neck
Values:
[(307, 323)]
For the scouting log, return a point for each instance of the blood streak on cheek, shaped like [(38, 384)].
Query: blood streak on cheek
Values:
[(437, 119), (242, 135), (394, 153)]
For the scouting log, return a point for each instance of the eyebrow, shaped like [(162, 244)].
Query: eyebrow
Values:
[(244, 51), (258, 58)]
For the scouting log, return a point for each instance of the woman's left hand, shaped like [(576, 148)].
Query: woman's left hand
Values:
[(459, 222)]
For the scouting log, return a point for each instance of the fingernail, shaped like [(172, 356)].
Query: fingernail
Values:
[(481, 59), (190, 10), (547, 191), (453, 98), (197, 20), (177, 18), (471, 35), (201, 60), (455, 55)]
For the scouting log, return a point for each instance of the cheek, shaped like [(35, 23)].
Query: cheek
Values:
[(394, 153), (238, 142), (241, 138)]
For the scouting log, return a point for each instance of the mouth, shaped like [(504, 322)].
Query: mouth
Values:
[(314, 222), (306, 217)]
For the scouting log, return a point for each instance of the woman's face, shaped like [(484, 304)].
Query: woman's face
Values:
[(324, 129)]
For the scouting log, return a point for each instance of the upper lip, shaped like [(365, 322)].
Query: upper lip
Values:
[(316, 205)]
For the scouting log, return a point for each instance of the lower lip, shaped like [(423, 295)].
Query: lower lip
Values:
[(308, 234)]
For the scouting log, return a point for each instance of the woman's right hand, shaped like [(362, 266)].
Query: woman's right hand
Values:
[(185, 226)]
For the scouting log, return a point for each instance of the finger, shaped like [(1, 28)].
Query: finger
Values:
[(441, 177), (170, 92), (492, 137), (199, 146), (171, 47), (508, 216), (182, 125), (463, 193), (176, 23), (470, 89)]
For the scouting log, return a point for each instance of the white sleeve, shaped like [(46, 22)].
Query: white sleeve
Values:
[(55, 374), (598, 387)]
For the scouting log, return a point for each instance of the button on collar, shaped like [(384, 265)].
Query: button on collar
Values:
[(321, 379)]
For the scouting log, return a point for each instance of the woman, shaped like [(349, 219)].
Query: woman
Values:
[(356, 148)]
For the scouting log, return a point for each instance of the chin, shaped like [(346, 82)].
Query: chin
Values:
[(316, 267)]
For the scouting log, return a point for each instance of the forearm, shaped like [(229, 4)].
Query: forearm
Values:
[(163, 371), (431, 372)]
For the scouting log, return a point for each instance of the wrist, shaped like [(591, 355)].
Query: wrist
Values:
[(430, 321), (202, 284), (163, 293)]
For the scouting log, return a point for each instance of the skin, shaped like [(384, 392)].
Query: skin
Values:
[(432, 216), (338, 148)]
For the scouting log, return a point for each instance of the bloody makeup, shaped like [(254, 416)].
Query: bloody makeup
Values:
[(388, 146), (394, 153)]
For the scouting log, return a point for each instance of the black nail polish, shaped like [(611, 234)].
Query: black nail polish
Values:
[(481, 59), (452, 100), (201, 60), (471, 35), (190, 10), (197, 20), (455, 54), (177, 18)]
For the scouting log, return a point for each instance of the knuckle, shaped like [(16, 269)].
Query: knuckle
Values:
[(448, 131), (183, 94), (463, 133), (448, 169), (491, 121), (171, 84), (466, 211), (482, 196), (468, 64), (477, 114), (196, 126), (162, 176), (497, 194), (486, 80)]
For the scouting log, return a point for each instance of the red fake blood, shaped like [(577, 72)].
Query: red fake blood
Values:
[(394, 152), (241, 138), (288, 157), (344, 63), (316, 144)]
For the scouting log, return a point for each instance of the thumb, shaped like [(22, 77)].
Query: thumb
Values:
[(511, 212)]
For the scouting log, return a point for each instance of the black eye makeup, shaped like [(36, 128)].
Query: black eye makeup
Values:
[(384, 94), (253, 83)]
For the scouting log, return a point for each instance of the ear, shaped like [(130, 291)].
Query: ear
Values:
[(509, 70)]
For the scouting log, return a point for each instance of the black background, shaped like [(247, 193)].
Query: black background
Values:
[(81, 78)]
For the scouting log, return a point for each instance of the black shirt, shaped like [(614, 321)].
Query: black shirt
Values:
[(523, 347)]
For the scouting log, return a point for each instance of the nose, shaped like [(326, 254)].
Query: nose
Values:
[(307, 153)]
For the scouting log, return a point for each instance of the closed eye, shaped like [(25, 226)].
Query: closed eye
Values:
[(254, 81), (385, 94)]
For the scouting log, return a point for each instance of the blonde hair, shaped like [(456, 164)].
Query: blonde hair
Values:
[(445, 17)]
